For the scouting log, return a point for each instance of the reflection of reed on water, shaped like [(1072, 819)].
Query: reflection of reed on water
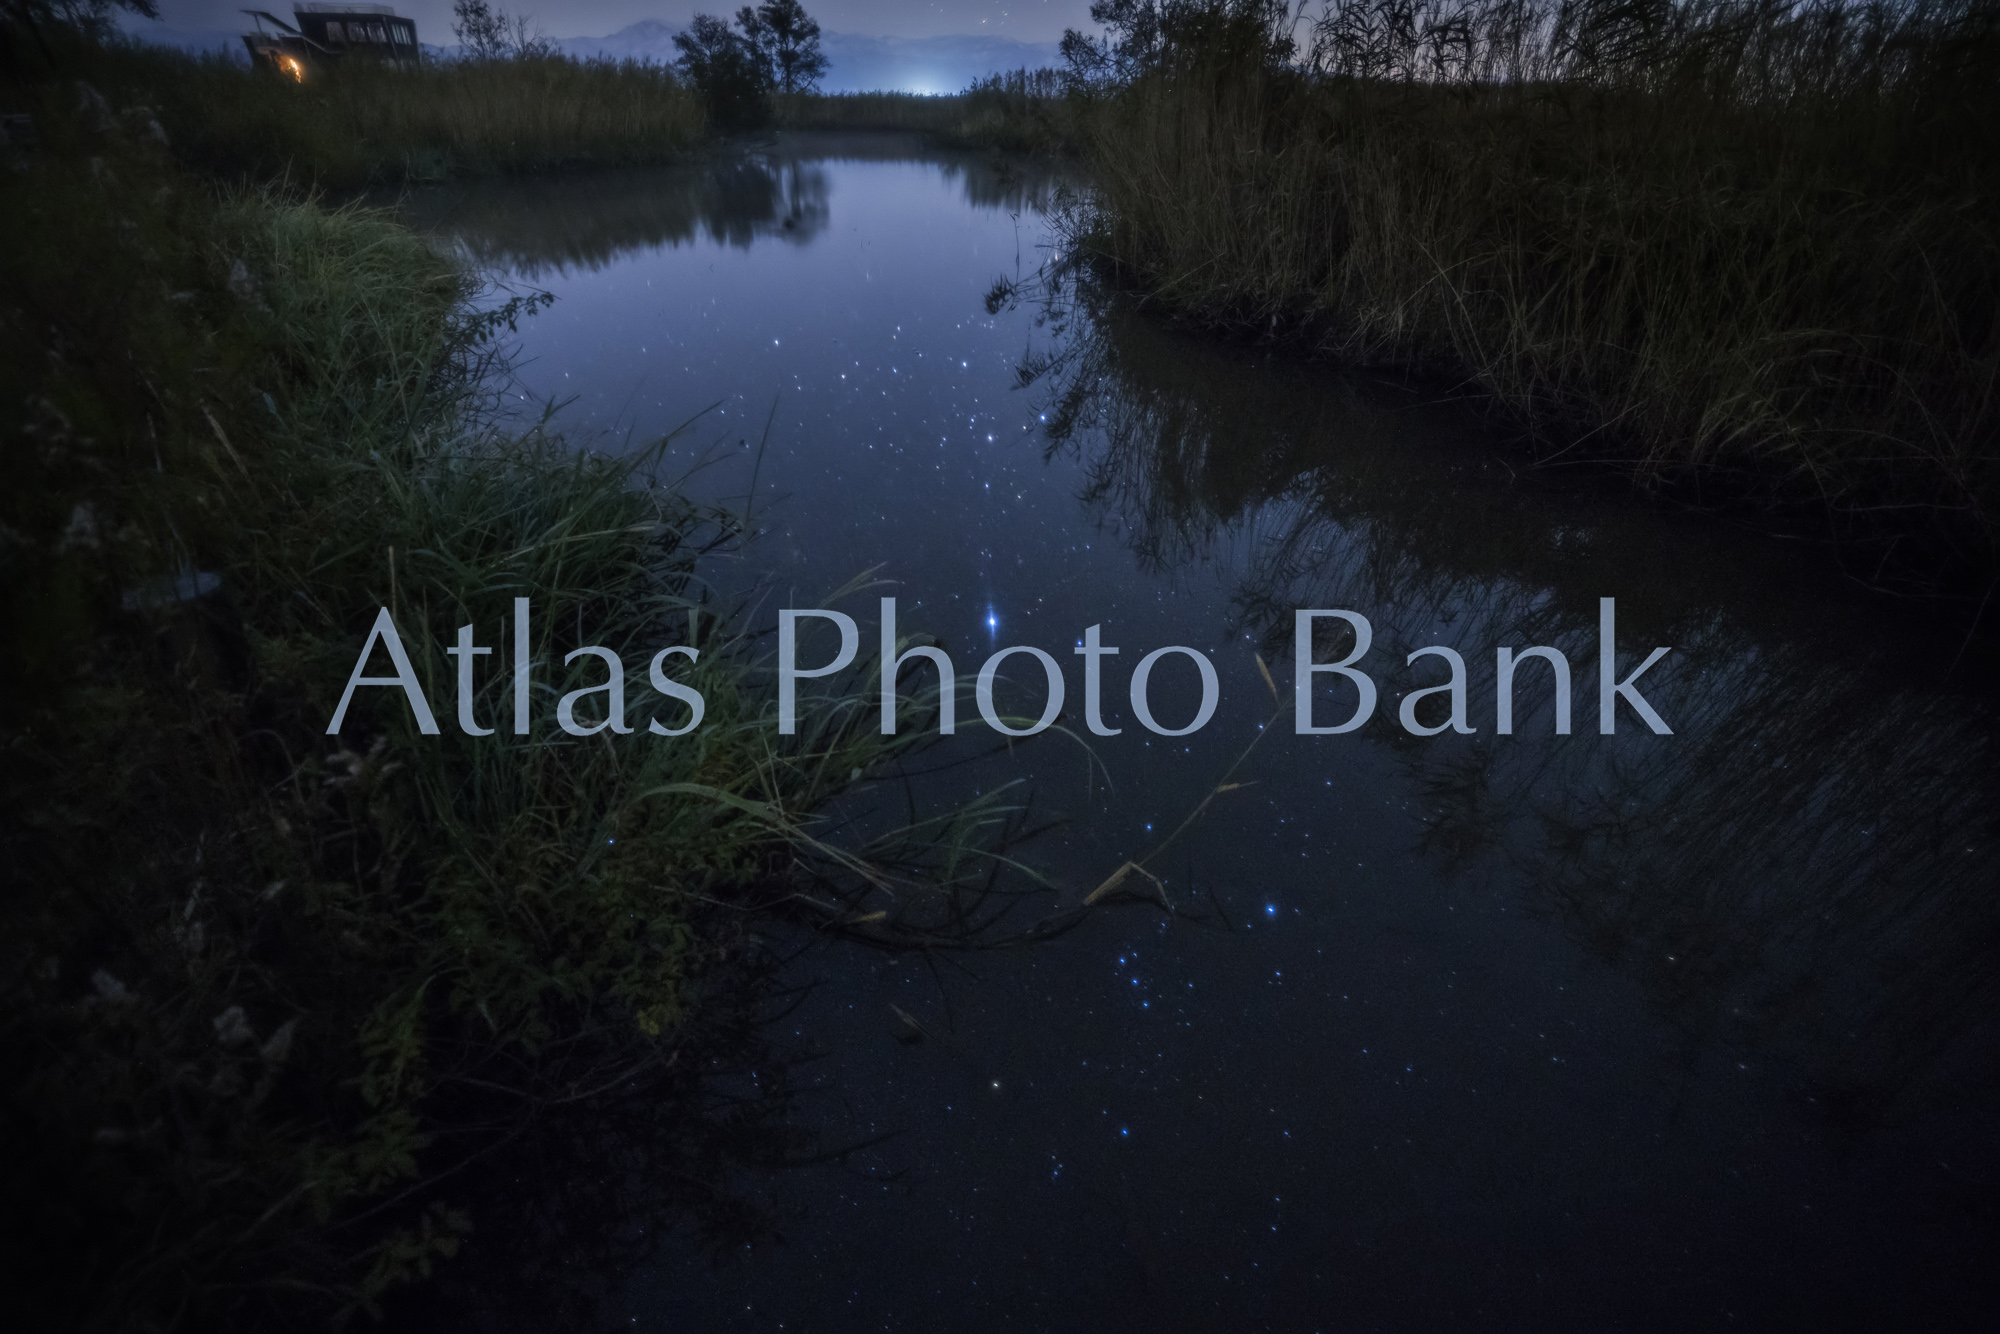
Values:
[(986, 180), (1803, 872), (778, 193), (596, 220)]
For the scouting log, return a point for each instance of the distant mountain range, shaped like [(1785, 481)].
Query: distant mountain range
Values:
[(855, 64)]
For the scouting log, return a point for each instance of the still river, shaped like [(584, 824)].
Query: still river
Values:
[(1466, 1031)]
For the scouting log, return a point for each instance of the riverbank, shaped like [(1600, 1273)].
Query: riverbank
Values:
[(269, 991), (1749, 258)]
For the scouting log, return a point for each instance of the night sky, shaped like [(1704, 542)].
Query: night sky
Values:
[(1022, 20)]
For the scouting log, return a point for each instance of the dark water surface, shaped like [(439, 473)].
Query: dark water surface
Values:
[(1474, 1031)]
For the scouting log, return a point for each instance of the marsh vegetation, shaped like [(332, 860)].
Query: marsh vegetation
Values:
[(354, 125), (288, 1014), (271, 993), (1745, 250)]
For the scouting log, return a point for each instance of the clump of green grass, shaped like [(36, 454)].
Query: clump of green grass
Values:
[(1747, 249), (274, 998), (356, 123)]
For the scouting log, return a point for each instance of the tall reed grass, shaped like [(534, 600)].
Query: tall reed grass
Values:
[(1021, 110), (1016, 111), (1749, 248), (911, 112), (357, 123)]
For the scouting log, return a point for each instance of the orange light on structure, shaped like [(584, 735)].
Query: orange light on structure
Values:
[(291, 66)]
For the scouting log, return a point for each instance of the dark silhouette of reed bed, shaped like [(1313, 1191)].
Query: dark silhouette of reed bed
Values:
[(1014, 111), (1748, 250), (357, 124), (905, 112)]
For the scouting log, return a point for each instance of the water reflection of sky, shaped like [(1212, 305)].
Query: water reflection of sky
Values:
[(896, 436), (1539, 1032)]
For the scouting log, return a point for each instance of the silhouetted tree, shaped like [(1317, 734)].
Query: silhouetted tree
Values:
[(787, 39), (27, 21), (92, 17), (732, 74), (1145, 34), (486, 33), (480, 32)]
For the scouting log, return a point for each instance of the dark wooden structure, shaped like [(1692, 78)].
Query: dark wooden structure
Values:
[(322, 34)]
